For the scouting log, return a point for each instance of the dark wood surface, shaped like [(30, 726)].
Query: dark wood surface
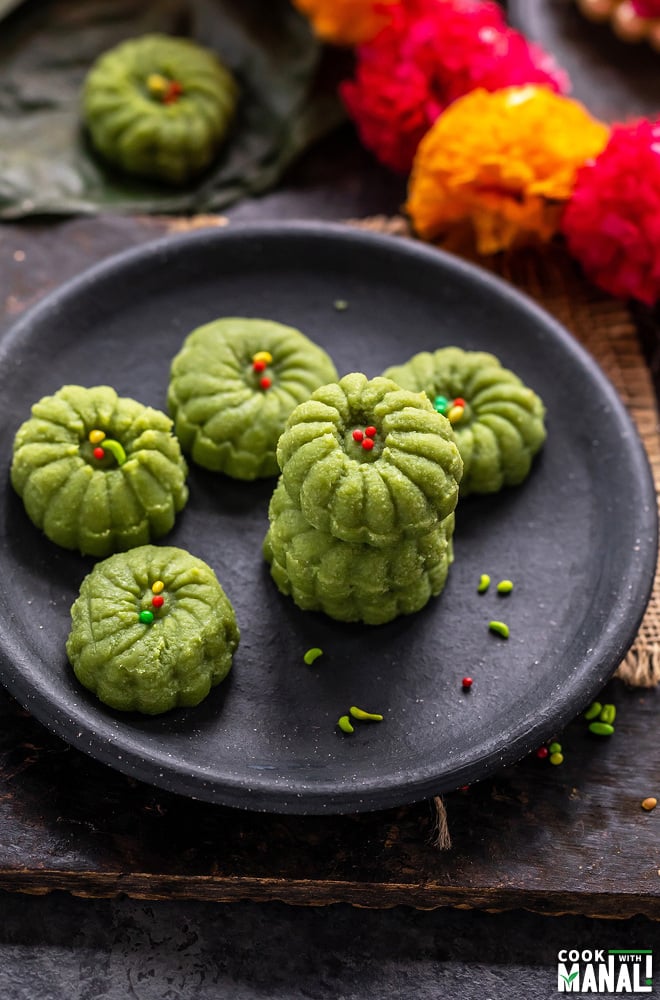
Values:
[(569, 839)]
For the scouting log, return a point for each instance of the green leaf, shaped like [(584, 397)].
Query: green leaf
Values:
[(569, 979), (46, 163)]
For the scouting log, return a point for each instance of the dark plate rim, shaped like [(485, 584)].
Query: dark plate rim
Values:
[(403, 786)]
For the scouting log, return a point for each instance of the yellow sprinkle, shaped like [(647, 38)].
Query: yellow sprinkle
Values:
[(95, 437), (344, 724), (649, 804), (556, 758), (504, 587), (455, 414), (358, 713), (158, 586), (263, 356), (156, 84)]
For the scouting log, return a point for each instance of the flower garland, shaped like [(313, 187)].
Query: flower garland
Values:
[(446, 90), (430, 53), (632, 20)]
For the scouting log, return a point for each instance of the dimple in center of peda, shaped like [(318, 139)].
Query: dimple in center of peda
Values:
[(260, 371), (152, 603), (102, 452), (164, 89), (455, 410), (363, 443)]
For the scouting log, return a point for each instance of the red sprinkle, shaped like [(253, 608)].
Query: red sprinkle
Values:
[(158, 600), (370, 432), (542, 752), (98, 453), (259, 366), (173, 92), (357, 435), (367, 444), (459, 401), (265, 382), (467, 683)]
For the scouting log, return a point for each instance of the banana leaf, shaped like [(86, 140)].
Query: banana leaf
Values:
[(46, 48)]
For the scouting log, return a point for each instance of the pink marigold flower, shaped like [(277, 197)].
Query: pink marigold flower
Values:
[(432, 52), (612, 222), (646, 8)]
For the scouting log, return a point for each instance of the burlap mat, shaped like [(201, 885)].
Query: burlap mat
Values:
[(605, 327)]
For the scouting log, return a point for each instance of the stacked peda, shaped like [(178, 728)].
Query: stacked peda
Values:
[(362, 519)]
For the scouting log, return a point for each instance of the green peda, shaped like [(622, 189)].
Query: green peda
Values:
[(151, 630), (118, 490), (159, 107), (232, 386), (369, 462), (354, 582), (501, 426)]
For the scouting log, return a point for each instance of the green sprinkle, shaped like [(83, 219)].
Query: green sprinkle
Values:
[(499, 628), (504, 587), (312, 654), (601, 728), (555, 748), (608, 714), (116, 449), (358, 713), (341, 305), (441, 405), (344, 724), (593, 711), (556, 758), (484, 583), (146, 617)]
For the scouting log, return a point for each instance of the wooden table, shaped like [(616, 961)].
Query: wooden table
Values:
[(569, 839)]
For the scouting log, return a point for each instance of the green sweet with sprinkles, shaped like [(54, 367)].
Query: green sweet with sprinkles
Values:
[(370, 462), (232, 387), (498, 421), (159, 107), (98, 472), (152, 630), (362, 519), (351, 581)]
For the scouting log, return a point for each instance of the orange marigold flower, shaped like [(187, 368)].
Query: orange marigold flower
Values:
[(346, 22), (503, 162)]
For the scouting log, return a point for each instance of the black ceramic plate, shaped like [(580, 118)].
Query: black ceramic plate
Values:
[(578, 538)]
